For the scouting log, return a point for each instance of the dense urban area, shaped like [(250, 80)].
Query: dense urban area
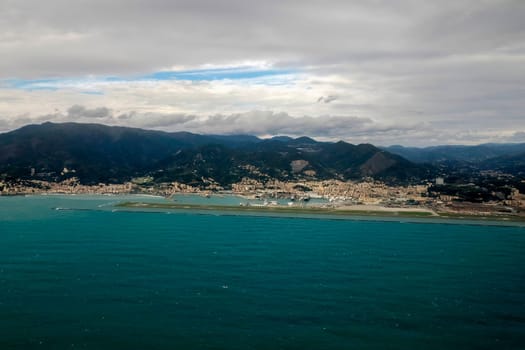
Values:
[(434, 196)]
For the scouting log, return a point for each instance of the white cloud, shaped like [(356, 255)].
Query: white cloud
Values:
[(268, 123), (455, 69)]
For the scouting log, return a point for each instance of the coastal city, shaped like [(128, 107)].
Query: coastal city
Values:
[(368, 195), (279, 174)]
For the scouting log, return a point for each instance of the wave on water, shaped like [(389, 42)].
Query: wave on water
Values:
[(110, 204), (148, 195)]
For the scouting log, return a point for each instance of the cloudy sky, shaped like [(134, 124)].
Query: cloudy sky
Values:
[(405, 72)]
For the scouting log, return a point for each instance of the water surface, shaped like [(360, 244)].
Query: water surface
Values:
[(129, 280)]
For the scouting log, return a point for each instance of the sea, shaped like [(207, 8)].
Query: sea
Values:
[(76, 272)]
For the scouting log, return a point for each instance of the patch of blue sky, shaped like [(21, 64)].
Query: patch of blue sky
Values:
[(34, 84), (42, 88), (275, 80), (242, 73), (271, 76), (51, 84), (87, 92)]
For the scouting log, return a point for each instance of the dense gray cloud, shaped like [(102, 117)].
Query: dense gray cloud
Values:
[(156, 120), (260, 123), (267, 123), (61, 37), (517, 137), (77, 111), (270, 123), (327, 99), (454, 66)]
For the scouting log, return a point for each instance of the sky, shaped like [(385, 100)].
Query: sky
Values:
[(409, 72)]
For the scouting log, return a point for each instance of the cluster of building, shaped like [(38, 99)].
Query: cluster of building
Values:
[(367, 192), (70, 186), (348, 192)]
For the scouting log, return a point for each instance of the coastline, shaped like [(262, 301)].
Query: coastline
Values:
[(149, 203), (388, 214), (366, 197)]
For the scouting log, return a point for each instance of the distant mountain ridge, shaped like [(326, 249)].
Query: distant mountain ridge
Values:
[(100, 153), (461, 153), (512, 163)]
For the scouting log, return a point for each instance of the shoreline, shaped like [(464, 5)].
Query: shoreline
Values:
[(135, 202), (389, 214)]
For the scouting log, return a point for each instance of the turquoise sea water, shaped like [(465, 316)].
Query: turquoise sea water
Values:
[(98, 279)]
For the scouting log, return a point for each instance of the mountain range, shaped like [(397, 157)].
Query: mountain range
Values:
[(504, 157), (460, 153), (98, 153)]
